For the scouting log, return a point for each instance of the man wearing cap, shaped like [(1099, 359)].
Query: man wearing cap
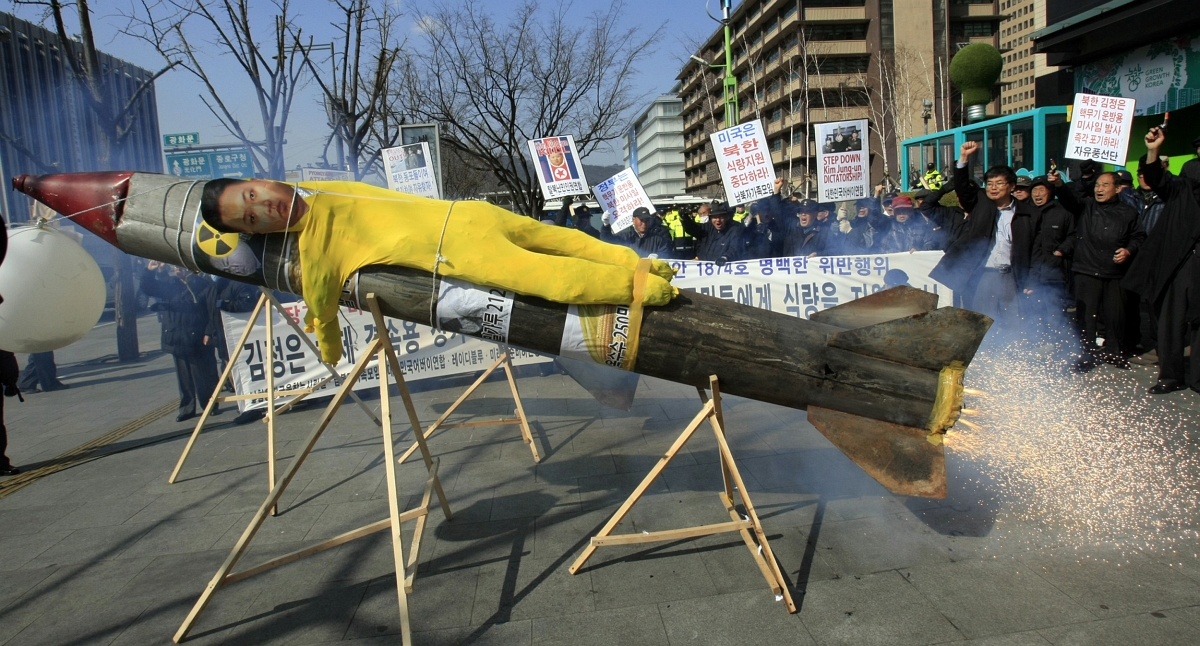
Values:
[(806, 237), (1021, 190), (988, 261), (719, 240), (1167, 272), (1127, 192), (1107, 237), (646, 235), (1051, 257), (906, 230)]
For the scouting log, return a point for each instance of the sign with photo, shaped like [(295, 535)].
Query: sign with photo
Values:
[(558, 167), (620, 195), (408, 170), (745, 162), (1100, 128), (843, 161)]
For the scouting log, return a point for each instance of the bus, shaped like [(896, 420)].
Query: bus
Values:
[(1026, 141)]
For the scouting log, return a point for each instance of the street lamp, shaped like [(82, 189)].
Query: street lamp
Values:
[(926, 112), (730, 83)]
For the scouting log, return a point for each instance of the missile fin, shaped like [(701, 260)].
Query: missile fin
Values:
[(901, 458), (931, 340), (890, 304)]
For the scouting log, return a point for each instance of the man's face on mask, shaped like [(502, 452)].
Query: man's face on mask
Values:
[(260, 206)]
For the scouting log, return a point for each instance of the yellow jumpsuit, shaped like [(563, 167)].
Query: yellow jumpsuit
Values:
[(350, 225)]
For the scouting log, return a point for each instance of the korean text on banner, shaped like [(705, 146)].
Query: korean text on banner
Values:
[(558, 167), (620, 195), (424, 353), (745, 162), (843, 161), (1100, 128), (408, 170)]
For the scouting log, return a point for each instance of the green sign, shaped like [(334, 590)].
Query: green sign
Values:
[(226, 162), (189, 165), (181, 139), (1162, 76)]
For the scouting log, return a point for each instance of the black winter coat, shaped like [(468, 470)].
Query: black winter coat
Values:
[(182, 309), (1100, 229), (897, 237), (731, 244), (1173, 239), (1055, 227), (656, 241), (228, 296), (968, 252)]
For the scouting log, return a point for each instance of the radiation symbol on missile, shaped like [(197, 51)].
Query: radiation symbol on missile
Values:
[(215, 243)]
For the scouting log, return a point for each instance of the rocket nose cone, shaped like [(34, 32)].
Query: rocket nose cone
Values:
[(91, 200)]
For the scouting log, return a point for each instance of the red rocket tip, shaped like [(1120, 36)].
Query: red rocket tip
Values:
[(91, 200)]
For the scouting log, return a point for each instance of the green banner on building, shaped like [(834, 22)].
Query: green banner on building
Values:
[(1162, 76)]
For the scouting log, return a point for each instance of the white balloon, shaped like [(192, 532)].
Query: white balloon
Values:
[(53, 291)]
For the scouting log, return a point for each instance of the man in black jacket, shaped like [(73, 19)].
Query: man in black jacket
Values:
[(183, 311), (1167, 272), (1107, 237), (8, 382), (720, 240), (646, 235), (989, 259), (226, 296), (1055, 225)]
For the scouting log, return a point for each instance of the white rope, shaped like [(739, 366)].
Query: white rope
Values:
[(179, 230), (437, 260)]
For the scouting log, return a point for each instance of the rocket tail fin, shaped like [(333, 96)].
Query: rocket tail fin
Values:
[(932, 339), (901, 458), (880, 307)]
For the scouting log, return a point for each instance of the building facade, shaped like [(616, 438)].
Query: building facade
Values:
[(801, 62), (45, 122), (654, 147), (1022, 65)]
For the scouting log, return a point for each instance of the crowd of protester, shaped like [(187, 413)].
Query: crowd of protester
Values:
[(1099, 263)]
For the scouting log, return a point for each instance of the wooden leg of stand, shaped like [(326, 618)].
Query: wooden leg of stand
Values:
[(645, 484), (216, 393), (394, 362), (760, 534), (414, 551), (389, 461), (512, 385), (239, 549), (270, 366), (450, 411), (716, 390)]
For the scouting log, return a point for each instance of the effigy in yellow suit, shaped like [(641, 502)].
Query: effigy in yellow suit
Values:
[(345, 226)]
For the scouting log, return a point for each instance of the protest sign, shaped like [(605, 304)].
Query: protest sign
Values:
[(424, 352), (843, 161), (745, 162), (408, 170), (1100, 128), (559, 170), (620, 195)]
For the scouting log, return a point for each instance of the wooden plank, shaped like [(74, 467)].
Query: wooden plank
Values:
[(389, 462), (340, 539), (482, 422), (261, 515), (238, 398), (212, 400), (645, 484), (270, 370), (671, 534), (512, 385), (414, 550)]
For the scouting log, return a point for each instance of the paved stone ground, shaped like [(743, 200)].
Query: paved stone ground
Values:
[(108, 553)]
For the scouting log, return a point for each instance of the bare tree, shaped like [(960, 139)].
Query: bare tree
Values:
[(266, 59), (114, 117), (492, 87), (355, 87)]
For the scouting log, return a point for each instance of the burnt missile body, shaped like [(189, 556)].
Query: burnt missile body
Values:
[(880, 376)]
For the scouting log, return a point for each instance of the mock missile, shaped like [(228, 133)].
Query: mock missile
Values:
[(880, 376)]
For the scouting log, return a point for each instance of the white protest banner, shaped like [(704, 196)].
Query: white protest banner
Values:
[(843, 161), (559, 170), (424, 353), (803, 286), (620, 195), (1100, 128), (408, 170), (745, 162)]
